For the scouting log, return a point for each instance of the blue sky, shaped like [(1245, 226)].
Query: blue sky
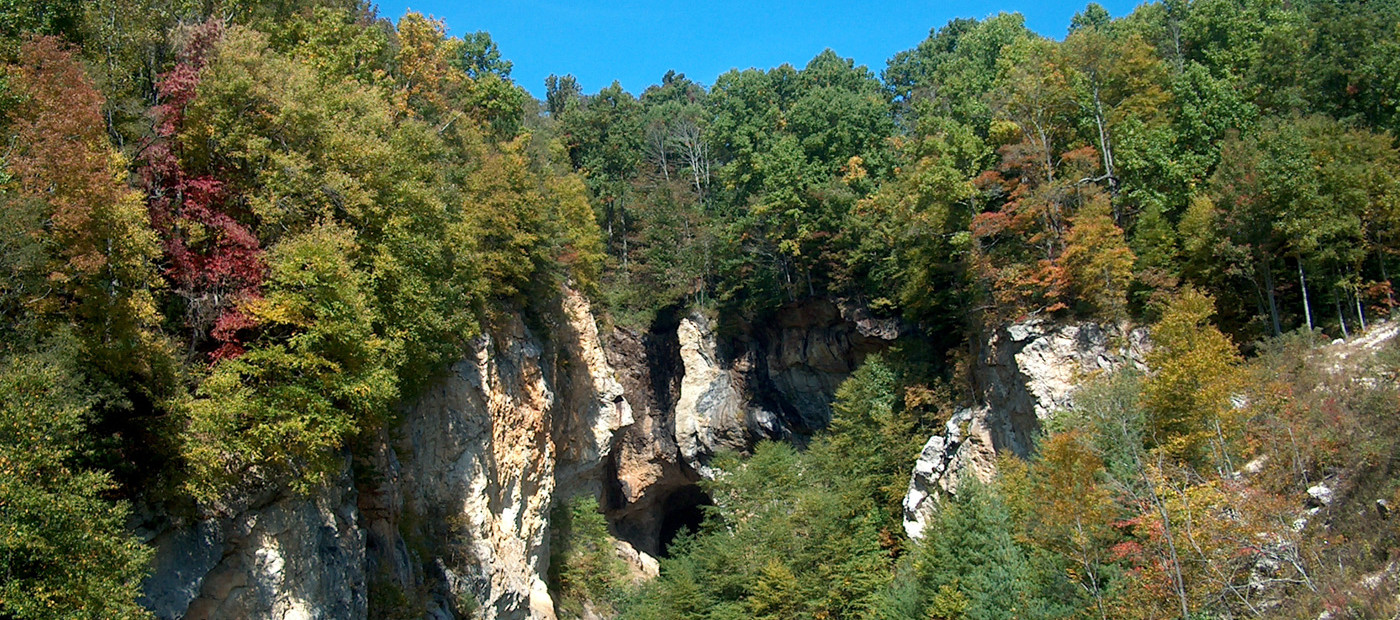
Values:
[(636, 42)]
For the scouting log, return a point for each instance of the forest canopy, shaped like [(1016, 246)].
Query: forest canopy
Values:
[(235, 235)]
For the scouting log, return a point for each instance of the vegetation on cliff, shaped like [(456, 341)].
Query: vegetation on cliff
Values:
[(235, 234)]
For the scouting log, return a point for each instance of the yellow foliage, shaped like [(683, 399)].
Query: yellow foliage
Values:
[(1195, 371), (1098, 260)]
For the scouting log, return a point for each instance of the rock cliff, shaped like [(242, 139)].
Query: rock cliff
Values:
[(277, 556), (811, 348), (474, 464), (698, 392), (1022, 374), (446, 514), (714, 412)]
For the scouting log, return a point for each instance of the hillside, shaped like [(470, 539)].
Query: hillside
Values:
[(313, 313)]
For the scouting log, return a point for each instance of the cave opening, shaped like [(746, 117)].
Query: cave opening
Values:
[(683, 511)]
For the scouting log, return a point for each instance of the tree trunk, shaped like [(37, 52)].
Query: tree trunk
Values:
[(1303, 280), (1273, 301), (1178, 582), (1353, 287), (1049, 163), (623, 214), (1360, 312), (1342, 317), (661, 151), (1389, 294), (1106, 146)]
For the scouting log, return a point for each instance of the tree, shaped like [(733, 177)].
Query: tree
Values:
[(425, 62), (1300, 191), (1034, 92), (215, 258), (1064, 506), (1114, 78), (970, 563), (873, 440), (585, 571), (561, 94), (338, 44), (1097, 260), (1194, 376), (480, 56), (951, 72), (65, 551), (315, 377), (101, 263), (911, 235)]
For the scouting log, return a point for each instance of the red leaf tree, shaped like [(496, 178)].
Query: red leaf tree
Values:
[(214, 259)]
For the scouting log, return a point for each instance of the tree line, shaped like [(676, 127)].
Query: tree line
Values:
[(1243, 148), (236, 233)]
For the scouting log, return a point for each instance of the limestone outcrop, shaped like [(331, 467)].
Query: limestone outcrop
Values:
[(446, 513), (812, 348), (593, 403), (964, 449), (714, 412), (476, 474), (479, 460), (1023, 374), (279, 556), (645, 465)]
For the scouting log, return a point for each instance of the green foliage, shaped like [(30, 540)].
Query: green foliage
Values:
[(1108, 411), (802, 534), (874, 439), (585, 571), (336, 43), (20, 17), (314, 378), (953, 70), (784, 541), (971, 567), (388, 238), (480, 57), (1295, 196), (1194, 376), (405, 189), (64, 548)]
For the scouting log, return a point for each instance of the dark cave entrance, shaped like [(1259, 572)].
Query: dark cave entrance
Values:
[(682, 511)]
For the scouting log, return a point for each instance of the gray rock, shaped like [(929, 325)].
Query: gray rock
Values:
[(184, 555), (713, 412), (294, 557), (1025, 372), (1320, 495)]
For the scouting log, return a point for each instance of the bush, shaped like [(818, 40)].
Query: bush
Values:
[(584, 569)]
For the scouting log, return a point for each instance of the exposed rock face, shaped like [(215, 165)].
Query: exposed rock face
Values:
[(283, 557), (965, 449), (454, 508), (477, 474), (447, 514), (645, 464), (593, 404), (713, 412), (813, 348), (479, 460), (1024, 373), (1030, 370), (695, 393)]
